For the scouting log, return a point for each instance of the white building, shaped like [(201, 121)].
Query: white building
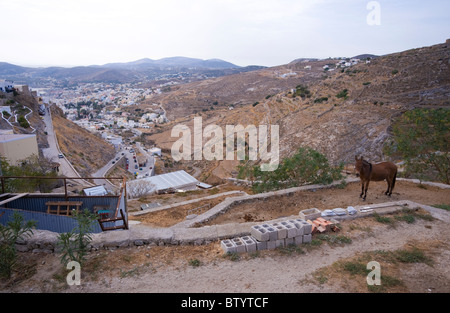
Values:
[(6, 85), (155, 151)]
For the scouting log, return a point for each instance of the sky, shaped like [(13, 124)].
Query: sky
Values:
[(243, 32)]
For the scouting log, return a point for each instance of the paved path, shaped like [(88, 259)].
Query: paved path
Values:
[(53, 150)]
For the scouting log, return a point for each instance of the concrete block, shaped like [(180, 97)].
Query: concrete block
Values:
[(228, 246), (298, 226), (260, 233), (261, 245), (288, 241), (340, 211), (291, 229), (271, 245), (250, 244), (282, 231), (240, 246), (273, 233), (307, 238), (279, 243), (298, 240), (307, 227), (309, 214)]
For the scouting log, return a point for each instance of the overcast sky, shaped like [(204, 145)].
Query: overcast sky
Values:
[(244, 32)]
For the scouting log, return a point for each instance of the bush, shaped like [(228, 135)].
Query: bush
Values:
[(320, 100), (302, 91), (307, 166), (420, 138), (14, 230), (342, 94), (23, 122), (74, 245)]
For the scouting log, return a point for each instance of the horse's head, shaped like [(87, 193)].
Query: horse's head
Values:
[(358, 165)]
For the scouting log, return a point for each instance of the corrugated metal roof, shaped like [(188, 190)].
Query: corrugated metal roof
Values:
[(172, 180), (176, 180), (95, 191)]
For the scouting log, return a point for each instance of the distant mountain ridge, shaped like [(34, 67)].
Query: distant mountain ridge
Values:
[(139, 70), (175, 62)]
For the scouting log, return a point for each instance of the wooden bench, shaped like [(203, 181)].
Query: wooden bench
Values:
[(63, 207)]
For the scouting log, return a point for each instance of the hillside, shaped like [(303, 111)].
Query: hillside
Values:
[(236, 90), (358, 123), (84, 150)]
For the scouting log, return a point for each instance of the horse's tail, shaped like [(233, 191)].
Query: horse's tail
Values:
[(393, 180)]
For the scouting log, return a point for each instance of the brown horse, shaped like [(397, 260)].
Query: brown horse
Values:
[(375, 172)]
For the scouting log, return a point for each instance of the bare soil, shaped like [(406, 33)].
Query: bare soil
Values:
[(276, 207), (170, 217), (315, 267)]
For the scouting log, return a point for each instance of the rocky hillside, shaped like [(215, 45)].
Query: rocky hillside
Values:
[(86, 151), (343, 114), (238, 90)]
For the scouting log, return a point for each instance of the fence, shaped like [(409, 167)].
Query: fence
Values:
[(34, 207)]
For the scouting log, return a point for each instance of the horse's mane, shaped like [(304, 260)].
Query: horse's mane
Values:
[(366, 162)]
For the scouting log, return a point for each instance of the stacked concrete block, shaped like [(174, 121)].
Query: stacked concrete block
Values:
[(307, 238), (270, 236), (239, 243), (228, 246), (260, 233), (250, 244), (281, 230)]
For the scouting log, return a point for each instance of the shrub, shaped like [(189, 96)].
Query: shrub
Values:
[(307, 166), (74, 245), (420, 138), (342, 94), (14, 230), (320, 100), (23, 122)]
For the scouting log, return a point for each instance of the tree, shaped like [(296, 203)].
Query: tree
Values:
[(421, 138), (36, 166)]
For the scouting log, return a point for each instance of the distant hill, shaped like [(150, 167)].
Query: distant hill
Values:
[(365, 56), (11, 69), (180, 62), (139, 70)]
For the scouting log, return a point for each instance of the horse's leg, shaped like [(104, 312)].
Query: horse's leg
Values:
[(365, 189), (388, 180), (362, 188)]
